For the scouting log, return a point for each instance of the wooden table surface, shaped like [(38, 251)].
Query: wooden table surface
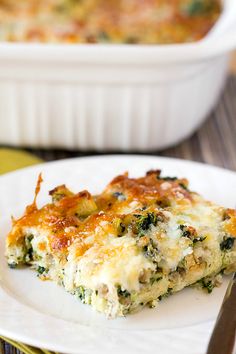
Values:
[(233, 63), (213, 143)]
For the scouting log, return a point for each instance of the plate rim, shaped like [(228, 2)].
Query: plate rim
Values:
[(105, 156)]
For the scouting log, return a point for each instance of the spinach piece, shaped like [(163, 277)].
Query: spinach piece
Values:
[(42, 270), (120, 196), (207, 285), (12, 265), (227, 244), (168, 293), (121, 229), (125, 298), (30, 238), (154, 280), (29, 255), (80, 292), (184, 186), (222, 272), (167, 178), (145, 222), (185, 231), (29, 249), (199, 239), (151, 251), (122, 293), (195, 8), (198, 7), (190, 232), (84, 295)]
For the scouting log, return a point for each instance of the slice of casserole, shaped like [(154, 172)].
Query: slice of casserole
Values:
[(138, 241)]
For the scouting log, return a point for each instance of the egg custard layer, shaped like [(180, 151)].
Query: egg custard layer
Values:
[(138, 241)]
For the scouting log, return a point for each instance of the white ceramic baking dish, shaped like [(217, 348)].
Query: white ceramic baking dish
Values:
[(123, 97)]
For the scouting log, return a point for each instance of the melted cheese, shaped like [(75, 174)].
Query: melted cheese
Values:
[(127, 246)]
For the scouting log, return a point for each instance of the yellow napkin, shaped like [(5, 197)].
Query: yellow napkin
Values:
[(10, 160), (26, 349)]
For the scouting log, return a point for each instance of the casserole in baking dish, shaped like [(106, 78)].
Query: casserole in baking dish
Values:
[(112, 96), (102, 21)]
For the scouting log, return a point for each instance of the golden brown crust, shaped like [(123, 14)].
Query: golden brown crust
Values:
[(148, 190), (73, 216), (230, 225), (65, 211)]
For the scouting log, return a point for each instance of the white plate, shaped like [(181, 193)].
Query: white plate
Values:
[(44, 315)]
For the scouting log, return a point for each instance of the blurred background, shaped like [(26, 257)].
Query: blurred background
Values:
[(96, 76)]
